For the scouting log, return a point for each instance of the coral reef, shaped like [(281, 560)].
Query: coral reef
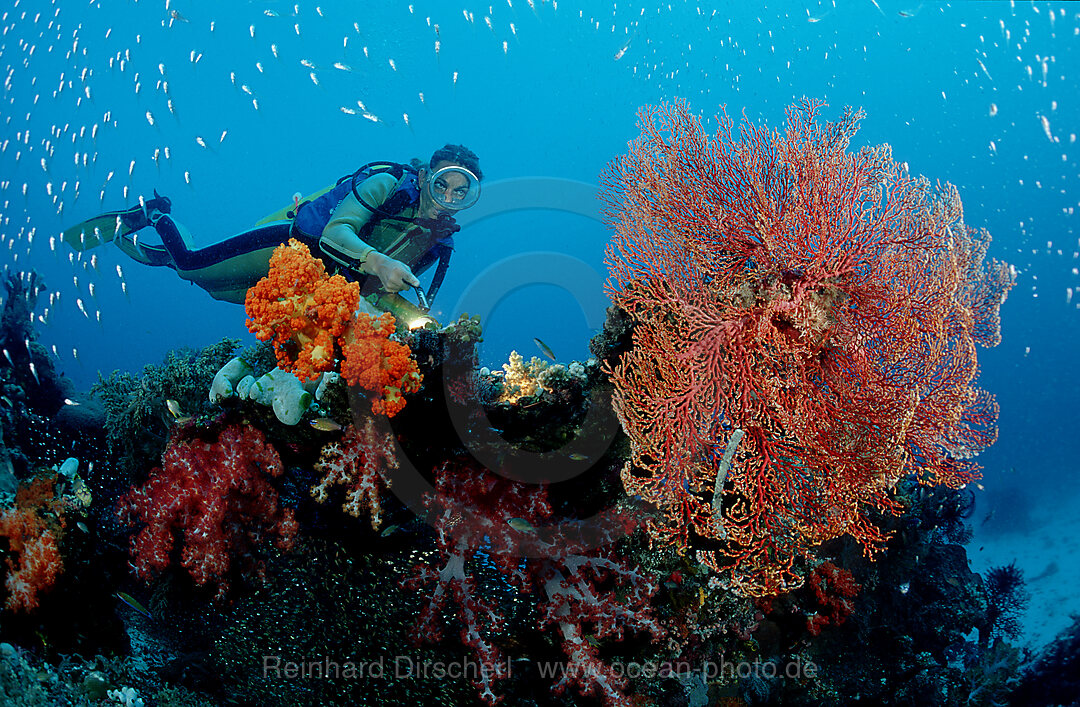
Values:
[(1053, 677), (137, 416), (33, 540), (791, 358), (482, 517)]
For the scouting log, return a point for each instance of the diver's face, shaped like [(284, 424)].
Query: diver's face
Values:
[(451, 186)]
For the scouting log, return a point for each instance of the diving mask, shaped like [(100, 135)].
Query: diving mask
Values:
[(453, 188)]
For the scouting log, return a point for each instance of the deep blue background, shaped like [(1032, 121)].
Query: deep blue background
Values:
[(555, 103)]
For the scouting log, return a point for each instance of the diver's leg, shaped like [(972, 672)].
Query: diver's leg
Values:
[(226, 269), (175, 239)]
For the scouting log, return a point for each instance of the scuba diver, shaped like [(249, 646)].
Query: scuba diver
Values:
[(381, 226)]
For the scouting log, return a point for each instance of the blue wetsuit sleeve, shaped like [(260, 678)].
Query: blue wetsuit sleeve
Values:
[(341, 236)]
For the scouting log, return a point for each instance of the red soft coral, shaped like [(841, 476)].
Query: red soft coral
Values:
[(218, 496), (358, 460)]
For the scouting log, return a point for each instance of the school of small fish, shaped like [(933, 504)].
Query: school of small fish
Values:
[(76, 87)]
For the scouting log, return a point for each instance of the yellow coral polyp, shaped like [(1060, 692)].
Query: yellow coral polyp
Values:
[(522, 380)]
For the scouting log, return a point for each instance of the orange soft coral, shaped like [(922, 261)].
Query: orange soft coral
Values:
[(38, 552), (310, 317), (301, 309), (379, 364)]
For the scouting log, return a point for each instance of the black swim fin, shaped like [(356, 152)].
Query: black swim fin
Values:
[(105, 227)]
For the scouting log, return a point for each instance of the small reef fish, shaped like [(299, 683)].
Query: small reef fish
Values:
[(174, 408), (622, 50), (134, 604), (82, 492), (325, 424), (577, 456), (544, 348), (521, 525), (175, 15)]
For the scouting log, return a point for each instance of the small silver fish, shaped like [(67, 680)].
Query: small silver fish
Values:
[(174, 408), (622, 50)]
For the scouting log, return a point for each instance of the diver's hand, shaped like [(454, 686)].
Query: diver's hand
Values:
[(394, 274)]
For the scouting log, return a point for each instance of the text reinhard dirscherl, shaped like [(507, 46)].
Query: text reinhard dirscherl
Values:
[(401, 667)]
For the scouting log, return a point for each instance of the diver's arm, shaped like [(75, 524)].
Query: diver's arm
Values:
[(340, 239)]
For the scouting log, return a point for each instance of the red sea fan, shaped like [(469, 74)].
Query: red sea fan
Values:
[(818, 298)]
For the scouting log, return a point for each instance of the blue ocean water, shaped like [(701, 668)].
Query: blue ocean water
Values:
[(257, 100)]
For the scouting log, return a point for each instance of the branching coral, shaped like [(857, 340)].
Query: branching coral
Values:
[(360, 461), (822, 300)]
